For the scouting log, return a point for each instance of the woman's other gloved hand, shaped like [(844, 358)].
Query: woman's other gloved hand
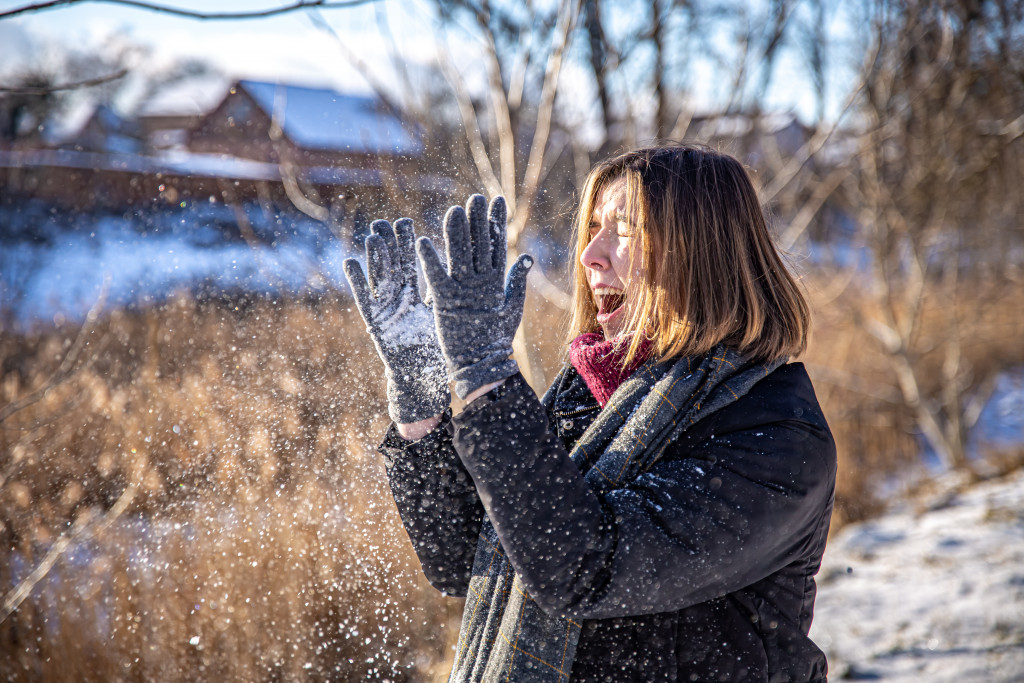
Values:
[(476, 315), (401, 325)]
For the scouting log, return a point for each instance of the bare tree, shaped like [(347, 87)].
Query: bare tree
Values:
[(937, 180), (498, 138)]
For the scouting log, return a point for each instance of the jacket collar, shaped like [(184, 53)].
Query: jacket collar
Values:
[(573, 396)]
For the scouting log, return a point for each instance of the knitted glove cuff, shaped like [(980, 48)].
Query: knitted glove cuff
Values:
[(415, 395), (491, 368)]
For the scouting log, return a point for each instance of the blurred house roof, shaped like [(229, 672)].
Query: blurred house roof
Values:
[(785, 127), (189, 97), (321, 119)]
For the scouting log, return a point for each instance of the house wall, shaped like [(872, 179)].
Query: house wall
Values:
[(237, 127), (111, 191), (88, 190)]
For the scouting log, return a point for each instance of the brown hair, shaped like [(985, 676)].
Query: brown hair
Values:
[(705, 267)]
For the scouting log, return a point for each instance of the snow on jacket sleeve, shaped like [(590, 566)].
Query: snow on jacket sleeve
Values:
[(438, 505), (739, 498)]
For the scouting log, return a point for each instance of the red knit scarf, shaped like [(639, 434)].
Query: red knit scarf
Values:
[(599, 362)]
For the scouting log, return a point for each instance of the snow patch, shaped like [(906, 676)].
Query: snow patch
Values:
[(934, 595), (53, 269), (410, 326)]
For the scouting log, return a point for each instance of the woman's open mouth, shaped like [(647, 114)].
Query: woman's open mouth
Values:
[(609, 302)]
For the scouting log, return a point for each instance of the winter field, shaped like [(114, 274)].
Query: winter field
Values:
[(189, 487)]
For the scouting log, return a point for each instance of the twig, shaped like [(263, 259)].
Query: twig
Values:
[(44, 90), (821, 135), (191, 14), (551, 292), (808, 211), (471, 126), (503, 135), (82, 530), (67, 366), (286, 167), (378, 86), (538, 146)]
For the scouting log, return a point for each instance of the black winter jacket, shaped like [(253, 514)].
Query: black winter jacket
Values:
[(699, 570)]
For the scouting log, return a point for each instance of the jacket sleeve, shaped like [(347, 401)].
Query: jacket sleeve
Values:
[(438, 504), (708, 519)]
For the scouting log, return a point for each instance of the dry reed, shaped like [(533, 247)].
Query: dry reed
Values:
[(260, 542)]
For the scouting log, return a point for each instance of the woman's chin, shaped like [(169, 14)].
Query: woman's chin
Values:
[(611, 323)]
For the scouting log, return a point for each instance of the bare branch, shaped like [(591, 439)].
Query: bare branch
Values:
[(364, 70), (551, 292), (68, 366), (191, 14), (77, 85), (534, 165), (398, 66), (783, 11), (85, 527), (290, 180), (820, 137), (502, 118), (471, 125), (810, 209)]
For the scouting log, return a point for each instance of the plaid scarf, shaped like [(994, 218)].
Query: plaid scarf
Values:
[(505, 635)]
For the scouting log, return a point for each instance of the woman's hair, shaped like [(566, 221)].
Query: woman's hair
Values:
[(703, 264)]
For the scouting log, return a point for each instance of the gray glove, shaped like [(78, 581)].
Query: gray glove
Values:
[(476, 318), (401, 326)]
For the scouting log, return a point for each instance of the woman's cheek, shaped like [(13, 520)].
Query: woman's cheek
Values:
[(622, 251)]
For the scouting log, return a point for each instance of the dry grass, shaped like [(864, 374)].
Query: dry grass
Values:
[(261, 542), (876, 434)]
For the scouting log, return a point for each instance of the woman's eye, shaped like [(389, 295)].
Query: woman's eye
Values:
[(623, 227)]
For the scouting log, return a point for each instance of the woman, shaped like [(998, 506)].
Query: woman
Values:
[(660, 514)]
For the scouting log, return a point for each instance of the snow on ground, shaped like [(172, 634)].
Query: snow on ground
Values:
[(56, 267), (929, 593)]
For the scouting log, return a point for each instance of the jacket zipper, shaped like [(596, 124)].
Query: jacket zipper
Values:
[(574, 413)]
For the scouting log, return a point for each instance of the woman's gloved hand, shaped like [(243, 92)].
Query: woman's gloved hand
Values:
[(401, 326), (476, 316)]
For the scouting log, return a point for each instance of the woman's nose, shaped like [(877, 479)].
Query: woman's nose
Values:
[(595, 255)]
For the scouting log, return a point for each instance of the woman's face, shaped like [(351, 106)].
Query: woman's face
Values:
[(606, 258)]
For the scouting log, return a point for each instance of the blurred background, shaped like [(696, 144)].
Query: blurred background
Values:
[(189, 404)]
